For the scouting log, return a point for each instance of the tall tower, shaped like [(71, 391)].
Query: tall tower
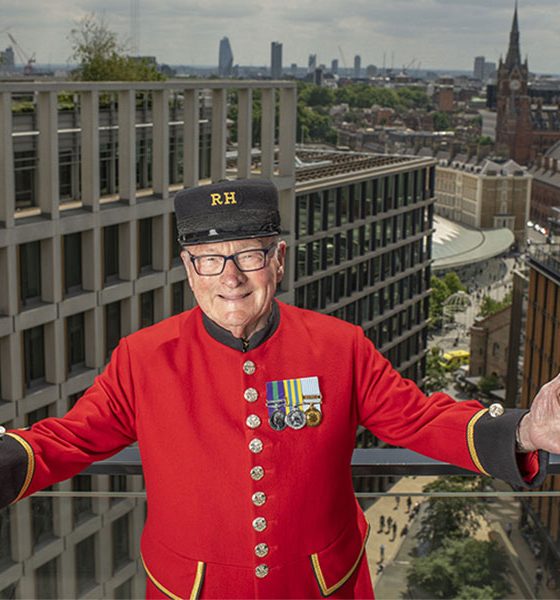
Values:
[(357, 66), (225, 63), (276, 60), (513, 125)]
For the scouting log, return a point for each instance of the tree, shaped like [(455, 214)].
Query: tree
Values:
[(437, 377), (440, 293), (442, 121), (453, 283), (457, 517), (101, 57), (462, 568), (489, 306), (489, 383)]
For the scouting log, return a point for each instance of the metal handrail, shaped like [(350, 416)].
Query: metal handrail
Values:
[(366, 462)]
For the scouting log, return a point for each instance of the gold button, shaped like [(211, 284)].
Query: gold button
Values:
[(261, 571), (249, 367), (258, 498), (253, 421), (251, 395), (255, 446), (259, 524), (257, 473), (261, 550)]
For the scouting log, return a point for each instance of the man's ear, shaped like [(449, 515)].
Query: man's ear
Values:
[(281, 258), (188, 265)]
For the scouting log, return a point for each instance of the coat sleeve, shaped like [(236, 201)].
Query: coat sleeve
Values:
[(100, 424), (462, 433)]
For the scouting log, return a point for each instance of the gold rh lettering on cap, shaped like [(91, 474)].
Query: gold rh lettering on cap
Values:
[(216, 199), (228, 198)]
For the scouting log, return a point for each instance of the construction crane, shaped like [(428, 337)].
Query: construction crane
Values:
[(23, 56)]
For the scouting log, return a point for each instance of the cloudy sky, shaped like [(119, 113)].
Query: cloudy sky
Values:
[(438, 33)]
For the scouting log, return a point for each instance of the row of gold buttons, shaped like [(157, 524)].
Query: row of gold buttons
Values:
[(253, 421)]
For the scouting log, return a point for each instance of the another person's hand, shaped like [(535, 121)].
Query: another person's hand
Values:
[(540, 427)]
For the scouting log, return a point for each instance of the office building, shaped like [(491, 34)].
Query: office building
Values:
[(276, 60), (542, 363), (334, 66), (225, 61), (311, 63), (478, 71), (357, 66)]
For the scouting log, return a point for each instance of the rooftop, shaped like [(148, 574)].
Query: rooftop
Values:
[(455, 245)]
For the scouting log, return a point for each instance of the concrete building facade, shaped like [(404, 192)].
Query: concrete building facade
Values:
[(486, 196)]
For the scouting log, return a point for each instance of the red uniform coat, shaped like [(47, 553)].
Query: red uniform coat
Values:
[(181, 394)]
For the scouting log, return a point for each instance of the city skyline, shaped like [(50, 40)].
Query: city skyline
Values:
[(439, 34)]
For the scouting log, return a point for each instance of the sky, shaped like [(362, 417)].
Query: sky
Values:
[(439, 34)]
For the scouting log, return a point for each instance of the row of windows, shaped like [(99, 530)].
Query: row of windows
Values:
[(34, 343), (331, 289), (31, 262), (47, 575), (334, 250), (321, 211)]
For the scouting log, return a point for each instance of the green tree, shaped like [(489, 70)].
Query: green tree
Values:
[(315, 95), (462, 568), (489, 383), (437, 377), (442, 121), (440, 293), (489, 306), (456, 517), (453, 283), (101, 57)]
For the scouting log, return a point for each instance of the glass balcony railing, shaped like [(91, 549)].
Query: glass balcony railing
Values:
[(434, 533)]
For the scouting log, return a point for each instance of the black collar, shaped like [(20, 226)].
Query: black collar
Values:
[(243, 345)]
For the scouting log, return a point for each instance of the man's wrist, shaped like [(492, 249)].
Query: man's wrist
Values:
[(522, 444)]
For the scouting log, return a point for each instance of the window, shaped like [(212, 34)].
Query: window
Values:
[(175, 246), (121, 550), (145, 245), (72, 262), (123, 591), (85, 564), (111, 253), (38, 414), (178, 297), (112, 327), (82, 508), (118, 483), (5, 538), (46, 580), (30, 273), (41, 521), (75, 342), (34, 356), (147, 309)]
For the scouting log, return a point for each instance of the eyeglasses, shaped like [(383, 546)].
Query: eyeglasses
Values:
[(246, 260)]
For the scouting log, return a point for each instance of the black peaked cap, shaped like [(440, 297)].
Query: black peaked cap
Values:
[(228, 210)]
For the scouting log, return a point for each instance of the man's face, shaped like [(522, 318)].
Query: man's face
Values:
[(237, 301)]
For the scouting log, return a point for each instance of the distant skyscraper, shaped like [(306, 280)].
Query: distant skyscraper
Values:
[(318, 76), (357, 66), (479, 62), (312, 63), (489, 70), (293, 69), (225, 64), (334, 66), (276, 60)]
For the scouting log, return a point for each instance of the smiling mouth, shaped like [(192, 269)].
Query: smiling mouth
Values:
[(234, 298)]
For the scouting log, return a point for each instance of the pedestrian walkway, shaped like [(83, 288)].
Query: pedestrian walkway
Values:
[(397, 510)]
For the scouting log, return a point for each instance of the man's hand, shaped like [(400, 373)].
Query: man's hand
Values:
[(540, 427)]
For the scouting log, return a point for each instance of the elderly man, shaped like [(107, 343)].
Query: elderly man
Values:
[(245, 411)]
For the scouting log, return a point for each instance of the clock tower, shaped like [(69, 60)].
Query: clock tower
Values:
[(513, 124)]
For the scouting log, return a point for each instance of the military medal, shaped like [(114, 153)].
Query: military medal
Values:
[(313, 416), (276, 405), (295, 418)]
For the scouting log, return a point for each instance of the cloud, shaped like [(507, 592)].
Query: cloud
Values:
[(440, 33)]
